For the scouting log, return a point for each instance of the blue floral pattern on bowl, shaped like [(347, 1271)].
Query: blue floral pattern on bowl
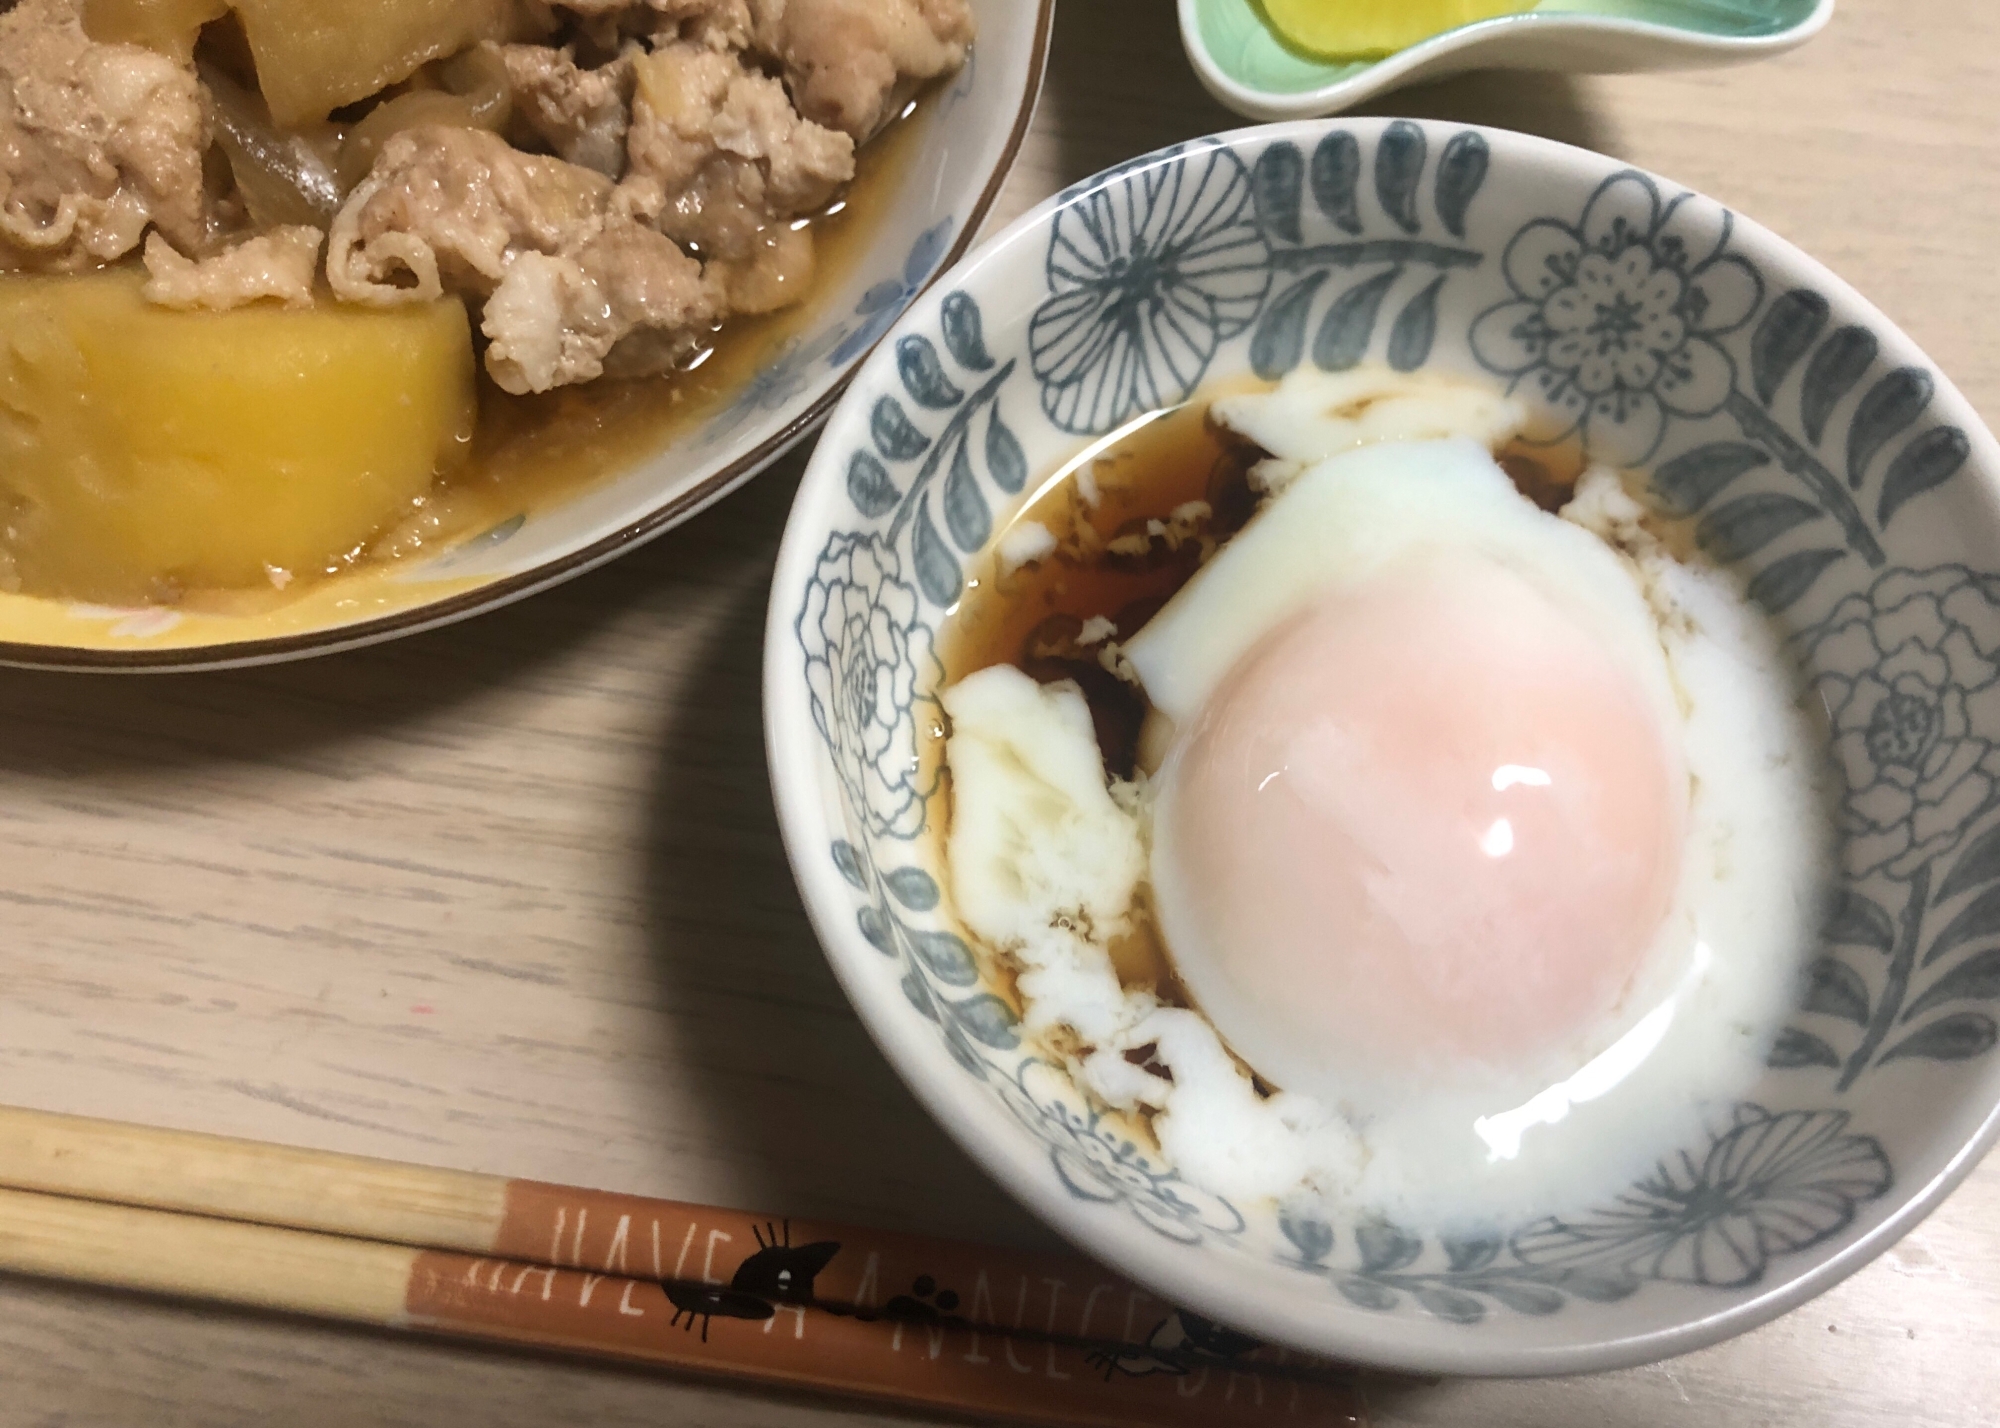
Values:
[(1615, 318), (1803, 443)]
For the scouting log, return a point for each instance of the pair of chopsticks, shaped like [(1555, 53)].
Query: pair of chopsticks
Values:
[(901, 1319)]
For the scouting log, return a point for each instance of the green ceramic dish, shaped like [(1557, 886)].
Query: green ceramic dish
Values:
[(1247, 67)]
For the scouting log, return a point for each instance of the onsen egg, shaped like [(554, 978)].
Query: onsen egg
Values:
[(1425, 813), (1428, 827)]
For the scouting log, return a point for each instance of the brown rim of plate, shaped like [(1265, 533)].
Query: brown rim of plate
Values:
[(506, 591)]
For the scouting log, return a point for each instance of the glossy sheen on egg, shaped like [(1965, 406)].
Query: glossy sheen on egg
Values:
[(1427, 828)]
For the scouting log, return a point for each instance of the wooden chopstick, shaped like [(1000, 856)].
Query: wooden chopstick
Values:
[(897, 1318)]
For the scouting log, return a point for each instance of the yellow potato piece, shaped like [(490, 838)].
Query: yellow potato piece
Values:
[(315, 55), (144, 450), (1356, 29), (169, 26)]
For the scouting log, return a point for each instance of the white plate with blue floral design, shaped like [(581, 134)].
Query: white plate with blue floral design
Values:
[(1809, 444)]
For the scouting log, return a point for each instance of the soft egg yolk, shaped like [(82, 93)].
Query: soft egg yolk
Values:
[(1428, 828)]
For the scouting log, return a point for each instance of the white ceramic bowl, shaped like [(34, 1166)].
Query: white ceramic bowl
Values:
[(1246, 67), (950, 179), (1812, 446)]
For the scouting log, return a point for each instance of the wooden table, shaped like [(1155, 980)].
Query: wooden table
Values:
[(510, 897)]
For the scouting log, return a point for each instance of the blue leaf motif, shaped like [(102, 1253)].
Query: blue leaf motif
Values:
[(1006, 463), (896, 436), (1336, 180), (1929, 461), (1855, 920), (1449, 1304), (938, 575), (1976, 979), (1601, 1288), (966, 514), (1277, 187), (1833, 989), (1349, 325), (1978, 919), (1835, 370), (919, 994), (875, 927), (883, 297), (1795, 1049), (962, 1050), (913, 888), (1891, 406), (848, 860), (1976, 867), (1743, 527), (1465, 1253), (1461, 173), (1384, 1247), (964, 332), (988, 1020), (1399, 169), (1691, 480), (946, 957), (869, 486), (1784, 582), (923, 375), (1280, 341), (1524, 1298), (1962, 1036), (925, 254), (1786, 334), (1311, 1237), (1367, 1293), (1415, 329), (883, 303)]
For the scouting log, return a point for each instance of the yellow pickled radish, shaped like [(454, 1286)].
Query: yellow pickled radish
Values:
[(1355, 29)]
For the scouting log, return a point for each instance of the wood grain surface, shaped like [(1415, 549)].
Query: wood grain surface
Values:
[(510, 898)]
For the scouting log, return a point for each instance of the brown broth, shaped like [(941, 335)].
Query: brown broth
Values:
[(1030, 617)]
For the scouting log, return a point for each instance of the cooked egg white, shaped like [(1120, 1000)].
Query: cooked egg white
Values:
[(1490, 838), (1312, 416)]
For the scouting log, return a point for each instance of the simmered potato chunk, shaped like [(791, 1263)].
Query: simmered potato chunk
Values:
[(315, 55), (169, 26), (144, 450)]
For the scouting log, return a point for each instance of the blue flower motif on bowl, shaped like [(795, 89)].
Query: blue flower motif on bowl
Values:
[(1910, 674), (1769, 1185), (868, 658), (1147, 277), (1615, 318)]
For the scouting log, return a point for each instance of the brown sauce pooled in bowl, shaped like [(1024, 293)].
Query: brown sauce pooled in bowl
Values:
[(1107, 565)]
